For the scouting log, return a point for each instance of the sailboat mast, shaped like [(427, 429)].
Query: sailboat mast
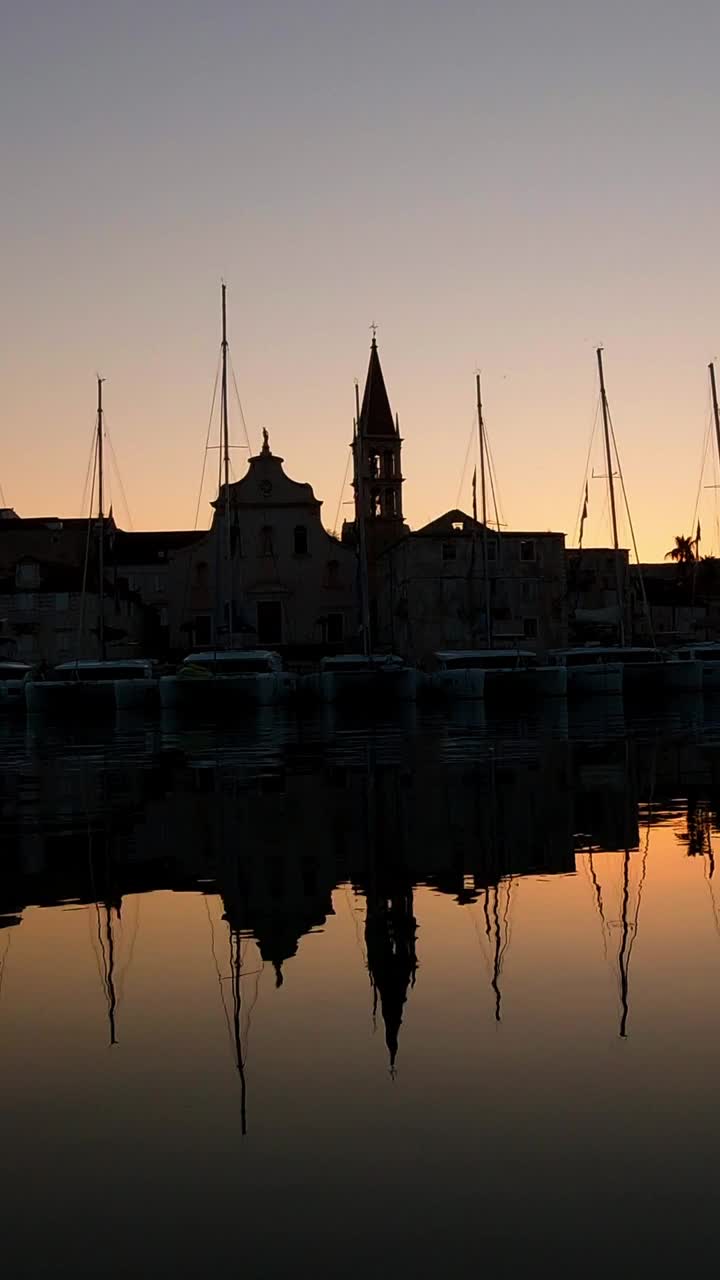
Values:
[(483, 502), (716, 415), (362, 532), (226, 467), (101, 520), (611, 492)]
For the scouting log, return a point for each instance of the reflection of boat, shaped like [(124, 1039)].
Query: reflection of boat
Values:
[(364, 676), (12, 684), (85, 685), (226, 678)]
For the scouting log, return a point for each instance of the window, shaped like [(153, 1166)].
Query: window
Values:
[(374, 466), (24, 600), (527, 549), (390, 502), (334, 628), (375, 503), (528, 591), (530, 628), (449, 551), (458, 526), (27, 574), (301, 540), (269, 622), (133, 584), (388, 464), (164, 618), (333, 573), (266, 541), (159, 582), (62, 601)]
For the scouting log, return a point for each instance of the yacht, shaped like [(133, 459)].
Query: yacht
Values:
[(12, 684), (707, 653), (87, 685), (589, 670), (359, 676), (456, 673), (494, 673), (226, 677), (648, 670)]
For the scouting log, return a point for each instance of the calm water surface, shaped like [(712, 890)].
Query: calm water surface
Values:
[(433, 995)]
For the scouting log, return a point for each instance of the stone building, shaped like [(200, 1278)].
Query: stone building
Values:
[(432, 593), (266, 573), (50, 597)]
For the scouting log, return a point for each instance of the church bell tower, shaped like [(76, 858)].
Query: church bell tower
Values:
[(378, 451)]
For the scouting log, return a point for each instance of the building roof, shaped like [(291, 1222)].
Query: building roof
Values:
[(445, 526), (375, 415), (151, 548)]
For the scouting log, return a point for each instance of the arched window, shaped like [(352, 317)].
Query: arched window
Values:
[(374, 465), (375, 503), (301, 540), (390, 502), (388, 464)]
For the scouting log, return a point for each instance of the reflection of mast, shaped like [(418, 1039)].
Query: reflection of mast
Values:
[(107, 952), (235, 975)]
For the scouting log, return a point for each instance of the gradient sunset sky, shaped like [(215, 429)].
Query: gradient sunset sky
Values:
[(501, 186)]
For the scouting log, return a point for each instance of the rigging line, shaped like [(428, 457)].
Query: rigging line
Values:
[(471, 438), (703, 460), (492, 476), (207, 442), (586, 476), (91, 456), (239, 403), (3, 962), (342, 491), (118, 476), (632, 532)]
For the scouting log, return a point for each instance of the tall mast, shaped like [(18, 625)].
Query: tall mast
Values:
[(225, 444), (362, 539), (611, 494), (483, 500), (716, 416), (101, 520)]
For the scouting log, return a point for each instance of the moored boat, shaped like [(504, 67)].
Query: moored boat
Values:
[(707, 653), (456, 673), (12, 684), (226, 678), (518, 674), (589, 670), (86, 685), (365, 677)]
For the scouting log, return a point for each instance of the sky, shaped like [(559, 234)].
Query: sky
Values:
[(499, 186)]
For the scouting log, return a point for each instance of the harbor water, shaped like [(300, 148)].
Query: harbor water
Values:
[(329, 996)]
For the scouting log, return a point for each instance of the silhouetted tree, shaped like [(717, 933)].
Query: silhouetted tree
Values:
[(683, 552)]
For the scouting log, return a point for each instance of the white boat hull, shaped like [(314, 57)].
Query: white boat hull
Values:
[(214, 692), (604, 678), (69, 697), (378, 684), (463, 683)]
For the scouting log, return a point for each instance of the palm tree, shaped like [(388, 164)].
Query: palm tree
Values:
[(683, 552)]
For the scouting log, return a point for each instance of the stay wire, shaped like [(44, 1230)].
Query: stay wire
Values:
[(207, 442), (632, 531)]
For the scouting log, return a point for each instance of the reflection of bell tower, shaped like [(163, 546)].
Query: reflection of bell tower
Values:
[(379, 452)]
